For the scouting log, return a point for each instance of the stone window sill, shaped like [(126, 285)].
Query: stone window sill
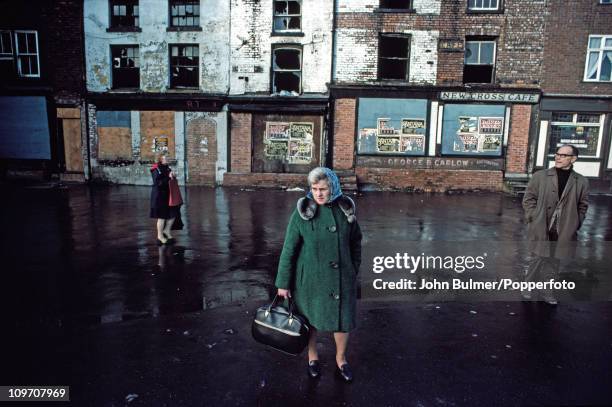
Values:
[(123, 29), (184, 28), (286, 34)]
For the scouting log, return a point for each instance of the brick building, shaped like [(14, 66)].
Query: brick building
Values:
[(576, 103), (435, 95), (41, 88), (157, 76), (281, 55)]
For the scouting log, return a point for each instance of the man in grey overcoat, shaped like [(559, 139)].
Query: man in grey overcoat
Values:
[(555, 204)]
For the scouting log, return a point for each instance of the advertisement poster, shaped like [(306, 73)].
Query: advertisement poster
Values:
[(291, 142)]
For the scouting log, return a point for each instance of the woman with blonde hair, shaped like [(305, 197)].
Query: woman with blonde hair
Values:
[(319, 264)]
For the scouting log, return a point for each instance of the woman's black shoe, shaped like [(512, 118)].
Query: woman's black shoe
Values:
[(160, 243), (345, 373), (314, 369)]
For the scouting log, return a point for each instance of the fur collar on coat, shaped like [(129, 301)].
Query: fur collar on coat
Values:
[(307, 208)]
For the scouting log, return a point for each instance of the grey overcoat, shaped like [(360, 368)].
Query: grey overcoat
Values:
[(540, 202)]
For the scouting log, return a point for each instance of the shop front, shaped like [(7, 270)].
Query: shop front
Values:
[(585, 123), (437, 141)]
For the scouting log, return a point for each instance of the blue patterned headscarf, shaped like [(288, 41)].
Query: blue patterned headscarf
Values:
[(334, 185)]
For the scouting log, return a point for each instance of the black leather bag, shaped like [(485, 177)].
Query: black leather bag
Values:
[(280, 328)]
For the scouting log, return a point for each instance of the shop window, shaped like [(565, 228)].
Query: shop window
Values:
[(479, 61), (599, 59), (287, 16), (473, 130), (124, 13), (393, 56), (184, 13), (184, 66), (126, 66), (396, 4), (19, 54), (583, 130), (484, 5), (392, 126), (605, 1), (287, 70)]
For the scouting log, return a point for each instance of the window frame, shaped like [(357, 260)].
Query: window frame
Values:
[(602, 48), (497, 10), (197, 65), (576, 123), (17, 53), (172, 26), (277, 16), (297, 47), (480, 41), (112, 17), (137, 64), (408, 39)]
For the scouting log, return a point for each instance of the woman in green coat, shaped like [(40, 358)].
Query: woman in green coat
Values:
[(319, 264)]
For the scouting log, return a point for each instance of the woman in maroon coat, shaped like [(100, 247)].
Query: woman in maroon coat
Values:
[(160, 198)]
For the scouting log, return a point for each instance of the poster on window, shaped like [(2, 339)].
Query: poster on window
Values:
[(391, 126), (289, 142), (300, 152), (277, 131), (386, 144), (412, 143), (473, 129), (413, 126), (303, 131), (160, 145)]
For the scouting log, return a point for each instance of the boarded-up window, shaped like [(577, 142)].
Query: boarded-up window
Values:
[(286, 143), (156, 134), (114, 135)]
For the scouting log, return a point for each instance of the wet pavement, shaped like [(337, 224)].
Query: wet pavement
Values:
[(93, 303)]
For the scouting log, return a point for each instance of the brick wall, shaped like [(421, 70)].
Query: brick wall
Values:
[(566, 39), (518, 142), (430, 180), (66, 55), (201, 139), (519, 32), (344, 133), (241, 144)]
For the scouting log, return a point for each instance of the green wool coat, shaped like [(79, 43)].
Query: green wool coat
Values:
[(320, 261)]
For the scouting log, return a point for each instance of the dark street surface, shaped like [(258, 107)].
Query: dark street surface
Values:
[(91, 302)]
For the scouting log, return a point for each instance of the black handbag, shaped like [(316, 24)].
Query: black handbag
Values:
[(280, 328)]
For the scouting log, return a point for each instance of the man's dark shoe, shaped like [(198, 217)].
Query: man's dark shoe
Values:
[(345, 373), (314, 369)]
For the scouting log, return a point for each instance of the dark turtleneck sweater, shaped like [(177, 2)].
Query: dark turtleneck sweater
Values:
[(562, 177)]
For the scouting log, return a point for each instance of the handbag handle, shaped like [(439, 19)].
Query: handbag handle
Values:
[(274, 302)]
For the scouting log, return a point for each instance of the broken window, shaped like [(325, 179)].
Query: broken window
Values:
[(287, 15), (599, 59), (7, 60), (484, 5), (287, 70), (126, 66), (184, 66), (124, 13), (393, 55), (184, 13), (397, 4), (479, 61)]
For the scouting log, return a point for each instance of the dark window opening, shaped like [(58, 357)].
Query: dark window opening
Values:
[(398, 4), (479, 61), (393, 54), (287, 70), (7, 64), (287, 15), (184, 13), (124, 13), (184, 66), (126, 66)]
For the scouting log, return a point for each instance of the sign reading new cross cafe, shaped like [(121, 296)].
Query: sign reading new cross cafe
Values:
[(491, 97)]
